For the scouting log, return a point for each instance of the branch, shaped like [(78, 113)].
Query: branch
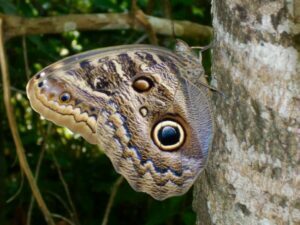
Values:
[(111, 199), (74, 214), (16, 26), (13, 127), (18, 191), (37, 169)]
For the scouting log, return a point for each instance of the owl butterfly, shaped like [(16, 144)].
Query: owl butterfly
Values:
[(140, 104)]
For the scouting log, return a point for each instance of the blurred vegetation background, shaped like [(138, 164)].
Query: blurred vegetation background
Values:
[(55, 151)]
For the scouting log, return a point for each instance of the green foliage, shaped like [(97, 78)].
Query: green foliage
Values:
[(88, 172)]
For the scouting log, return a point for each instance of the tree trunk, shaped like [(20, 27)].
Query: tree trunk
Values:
[(253, 174)]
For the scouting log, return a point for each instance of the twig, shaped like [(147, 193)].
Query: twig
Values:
[(168, 14), (13, 127), (37, 171), (167, 9), (142, 19), (18, 191), (18, 26), (63, 218), (111, 199), (61, 201), (150, 6), (141, 39), (139, 18), (74, 214), (27, 71), (16, 90)]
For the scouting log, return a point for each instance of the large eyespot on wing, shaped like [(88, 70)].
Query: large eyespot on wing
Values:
[(191, 138), (163, 168), (161, 155), (62, 103), (168, 135)]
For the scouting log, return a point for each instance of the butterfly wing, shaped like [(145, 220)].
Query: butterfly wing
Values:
[(89, 79), (123, 99), (201, 118)]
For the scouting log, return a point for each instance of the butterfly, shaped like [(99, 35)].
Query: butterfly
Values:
[(144, 105)]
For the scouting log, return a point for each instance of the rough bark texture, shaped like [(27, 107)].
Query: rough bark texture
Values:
[(253, 171)]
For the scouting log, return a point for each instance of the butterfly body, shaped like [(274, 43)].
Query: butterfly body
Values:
[(136, 103)]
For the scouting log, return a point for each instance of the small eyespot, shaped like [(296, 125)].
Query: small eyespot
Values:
[(39, 75), (168, 135), (65, 97), (142, 84), (144, 111), (40, 84)]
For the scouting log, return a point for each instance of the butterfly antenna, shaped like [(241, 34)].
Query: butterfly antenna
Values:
[(210, 88), (204, 48)]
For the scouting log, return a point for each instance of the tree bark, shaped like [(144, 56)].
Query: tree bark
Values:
[(253, 174)]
